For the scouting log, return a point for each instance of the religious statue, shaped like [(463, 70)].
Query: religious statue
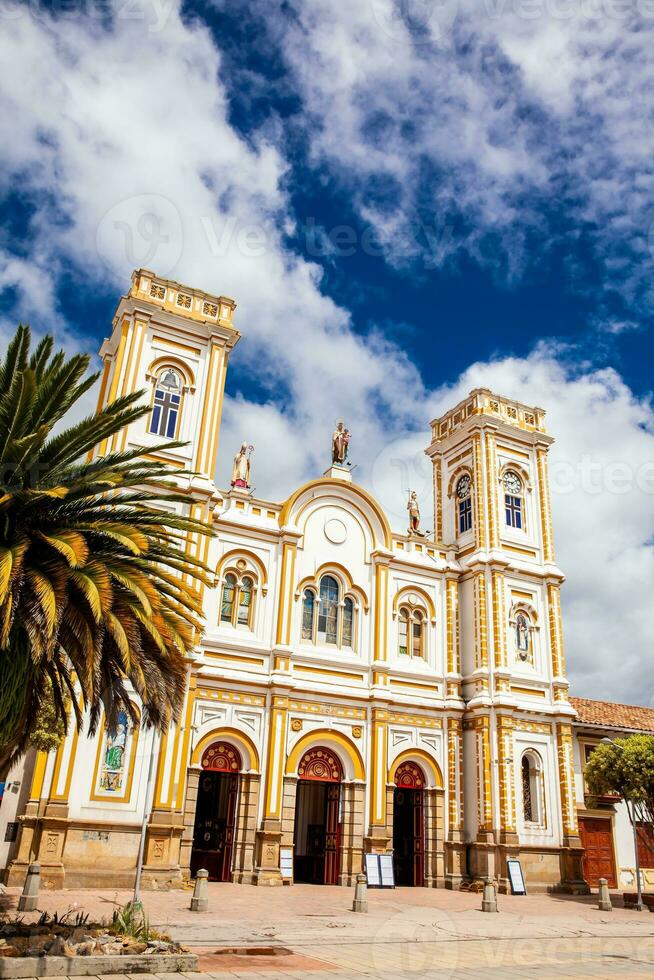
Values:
[(241, 467), (114, 759), (414, 514), (340, 443)]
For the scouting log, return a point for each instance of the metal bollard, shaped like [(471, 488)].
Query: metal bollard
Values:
[(489, 899), (30, 896), (360, 903), (200, 900), (604, 896)]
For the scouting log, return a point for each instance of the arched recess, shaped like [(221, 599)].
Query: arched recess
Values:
[(244, 744), (429, 766), (424, 595), (347, 752), (518, 468), (177, 364), (341, 572), (232, 556), (345, 490), (456, 476)]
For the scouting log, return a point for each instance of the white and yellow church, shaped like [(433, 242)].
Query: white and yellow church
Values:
[(355, 690)]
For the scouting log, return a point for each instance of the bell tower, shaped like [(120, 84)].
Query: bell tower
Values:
[(174, 342), (492, 501)]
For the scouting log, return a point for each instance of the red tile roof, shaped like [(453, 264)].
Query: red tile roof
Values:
[(608, 714)]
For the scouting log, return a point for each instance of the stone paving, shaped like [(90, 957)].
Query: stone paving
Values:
[(307, 931)]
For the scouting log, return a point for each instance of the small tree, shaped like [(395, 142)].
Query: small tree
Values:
[(626, 768)]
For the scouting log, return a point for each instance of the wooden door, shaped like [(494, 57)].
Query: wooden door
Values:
[(418, 837), (230, 825), (597, 839), (332, 835)]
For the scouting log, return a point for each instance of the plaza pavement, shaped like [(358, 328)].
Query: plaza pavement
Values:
[(309, 931)]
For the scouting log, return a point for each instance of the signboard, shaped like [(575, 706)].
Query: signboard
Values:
[(379, 871), (373, 873), (286, 863), (516, 878), (386, 871)]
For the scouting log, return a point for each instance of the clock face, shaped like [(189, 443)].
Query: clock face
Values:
[(512, 483), (463, 487)]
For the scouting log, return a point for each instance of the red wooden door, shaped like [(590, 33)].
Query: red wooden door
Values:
[(418, 838), (230, 824), (598, 860), (332, 835)]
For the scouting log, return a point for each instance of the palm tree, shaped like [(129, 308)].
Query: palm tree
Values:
[(96, 588)]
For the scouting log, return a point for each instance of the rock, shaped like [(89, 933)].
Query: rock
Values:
[(85, 949), (35, 951), (8, 951), (59, 947), (112, 949)]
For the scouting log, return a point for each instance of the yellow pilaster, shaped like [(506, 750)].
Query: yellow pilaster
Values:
[(452, 630), (484, 774), (379, 766), (566, 779), (210, 417), (481, 527), (491, 490), (506, 773), (38, 776), (481, 620), (276, 757), (438, 498), (454, 774), (556, 630), (285, 594), (184, 737), (131, 373), (119, 357), (545, 504), (499, 620), (381, 611)]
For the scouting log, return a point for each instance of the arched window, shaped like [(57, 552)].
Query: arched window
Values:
[(513, 500), (411, 632), (527, 806), (348, 622), (245, 601), (522, 636), (237, 605), (328, 610), (403, 631), (417, 634), (308, 614), (533, 790), (464, 503), (335, 622), (229, 594), (167, 404)]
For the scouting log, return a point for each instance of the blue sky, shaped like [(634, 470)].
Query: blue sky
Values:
[(407, 199)]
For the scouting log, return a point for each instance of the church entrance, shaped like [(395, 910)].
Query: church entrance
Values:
[(215, 812), (409, 825), (317, 834)]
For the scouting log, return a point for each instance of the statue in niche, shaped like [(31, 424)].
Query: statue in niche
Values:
[(241, 467), (413, 508), (340, 443), (522, 636)]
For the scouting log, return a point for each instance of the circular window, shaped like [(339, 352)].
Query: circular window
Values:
[(335, 531)]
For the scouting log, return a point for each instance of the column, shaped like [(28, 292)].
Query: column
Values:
[(380, 834), (269, 836), (455, 863)]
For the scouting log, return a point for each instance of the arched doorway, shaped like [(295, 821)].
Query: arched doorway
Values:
[(317, 831), (409, 825), (215, 811)]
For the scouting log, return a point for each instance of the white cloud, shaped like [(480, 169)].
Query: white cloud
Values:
[(132, 159)]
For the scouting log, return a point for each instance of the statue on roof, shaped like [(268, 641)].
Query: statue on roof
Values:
[(413, 508), (340, 443), (241, 467)]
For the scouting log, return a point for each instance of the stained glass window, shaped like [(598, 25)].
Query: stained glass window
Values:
[(244, 602), (527, 803), (112, 775), (348, 620), (227, 605), (404, 632), (416, 635), (328, 610), (308, 612)]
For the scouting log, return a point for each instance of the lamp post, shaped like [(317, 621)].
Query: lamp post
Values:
[(639, 906)]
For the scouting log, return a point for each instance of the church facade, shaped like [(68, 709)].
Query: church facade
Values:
[(355, 690)]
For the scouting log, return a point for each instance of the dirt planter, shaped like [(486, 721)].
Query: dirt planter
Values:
[(20, 967)]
